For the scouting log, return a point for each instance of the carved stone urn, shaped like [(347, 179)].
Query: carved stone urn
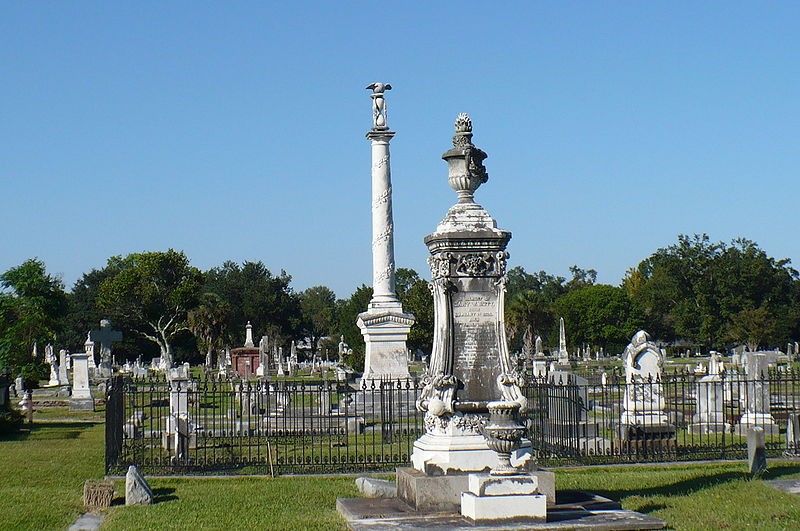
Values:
[(465, 161), (504, 434)]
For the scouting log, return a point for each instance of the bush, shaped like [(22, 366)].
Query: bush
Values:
[(10, 421), (32, 373)]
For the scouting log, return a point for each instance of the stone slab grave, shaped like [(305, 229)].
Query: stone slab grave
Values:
[(81, 399)]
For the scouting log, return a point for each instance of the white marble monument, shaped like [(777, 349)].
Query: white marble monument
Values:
[(81, 398), (385, 326)]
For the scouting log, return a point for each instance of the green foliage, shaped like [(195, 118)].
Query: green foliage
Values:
[(712, 293), (348, 314), (151, 293), (318, 306), (417, 299), (10, 421), (254, 294), (32, 307), (599, 315), (208, 321)]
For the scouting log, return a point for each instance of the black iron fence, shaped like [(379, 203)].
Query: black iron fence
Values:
[(230, 426)]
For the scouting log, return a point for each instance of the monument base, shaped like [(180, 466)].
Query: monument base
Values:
[(81, 404), (762, 420), (438, 455), (709, 427), (428, 493), (498, 498), (385, 329)]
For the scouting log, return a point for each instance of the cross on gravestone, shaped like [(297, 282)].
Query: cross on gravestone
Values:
[(106, 336)]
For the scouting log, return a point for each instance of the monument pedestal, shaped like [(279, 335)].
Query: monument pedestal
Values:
[(498, 498), (385, 328), (762, 420), (431, 493)]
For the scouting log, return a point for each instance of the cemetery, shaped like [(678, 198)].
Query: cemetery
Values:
[(476, 436), (218, 381)]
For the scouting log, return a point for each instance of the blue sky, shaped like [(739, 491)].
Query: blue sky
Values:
[(235, 130)]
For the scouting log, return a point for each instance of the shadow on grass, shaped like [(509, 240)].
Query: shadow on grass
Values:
[(680, 488), (779, 471), (163, 494), (48, 431)]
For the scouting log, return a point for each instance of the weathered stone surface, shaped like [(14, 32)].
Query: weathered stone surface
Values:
[(376, 488), (756, 451), (137, 490)]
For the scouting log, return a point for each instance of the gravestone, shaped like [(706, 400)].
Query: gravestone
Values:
[(755, 396), (710, 406), (88, 348), (180, 434), (470, 367), (105, 337), (63, 377), (756, 451), (567, 423), (793, 435), (137, 490), (563, 353), (81, 399), (643, 420)]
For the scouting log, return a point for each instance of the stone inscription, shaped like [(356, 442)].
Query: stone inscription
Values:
[(475, 343)]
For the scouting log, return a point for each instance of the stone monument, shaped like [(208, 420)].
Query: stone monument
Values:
[(755, 396), (470, 369), (81, 398), (106, 337), (51, 359), (563, 353), (384, 325), (643, 419)]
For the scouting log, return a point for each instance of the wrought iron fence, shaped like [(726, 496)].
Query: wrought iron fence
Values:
[(230, 426)]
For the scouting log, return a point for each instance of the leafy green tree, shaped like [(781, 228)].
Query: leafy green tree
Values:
[(751, 326), (417, 299), (598, 314), (207, 322), (348, 310), (254, 294), (318, 306), (152, 294), (32, 309), (706, 292)]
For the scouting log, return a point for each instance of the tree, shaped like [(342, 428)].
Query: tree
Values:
[(318, 306), (348, 310), (417, 299), (598, 314), (152, 294), (256, 295), (751, 326), (207, 322), (32, 308)]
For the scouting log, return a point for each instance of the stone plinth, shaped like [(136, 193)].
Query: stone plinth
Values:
[(385, 329), (81, 398), (495, 499)]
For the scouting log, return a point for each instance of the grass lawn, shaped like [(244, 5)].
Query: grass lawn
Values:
[(43, 474)]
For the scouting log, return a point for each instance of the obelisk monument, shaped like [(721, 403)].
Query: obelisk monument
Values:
[(384, 325)]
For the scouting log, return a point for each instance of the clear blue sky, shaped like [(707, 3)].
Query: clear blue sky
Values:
[(235, 130)]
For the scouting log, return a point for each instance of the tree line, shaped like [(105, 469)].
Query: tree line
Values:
[(694, 293)]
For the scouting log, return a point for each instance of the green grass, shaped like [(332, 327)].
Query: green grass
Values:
[(43, 474), (695, 496), (246, 503), (48, 414)]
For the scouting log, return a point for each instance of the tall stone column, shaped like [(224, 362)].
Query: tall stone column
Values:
[(384, 325)]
